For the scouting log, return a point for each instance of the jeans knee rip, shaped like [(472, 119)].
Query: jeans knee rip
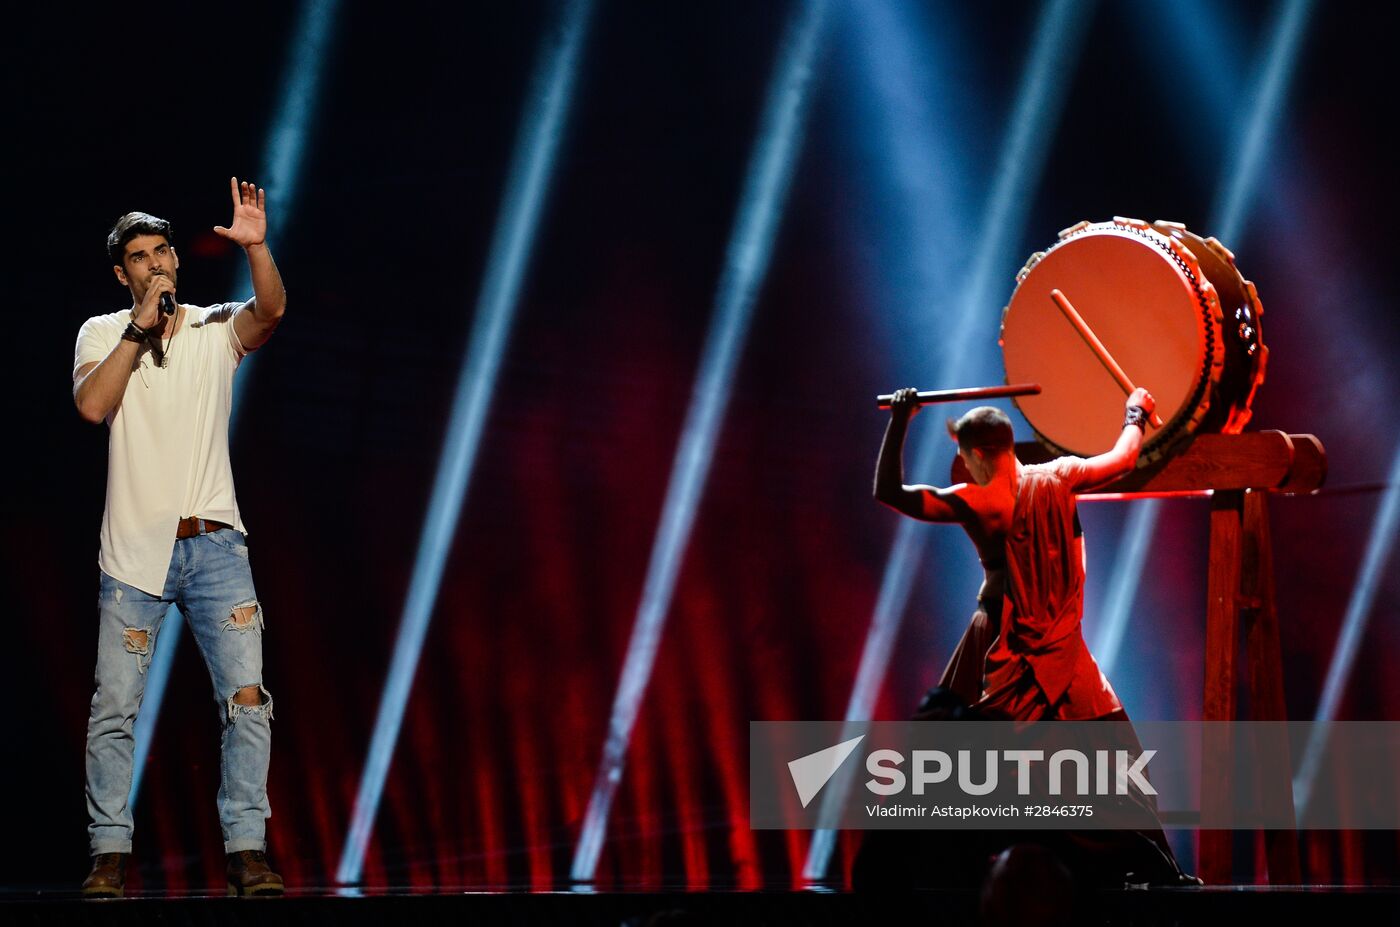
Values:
[(137, 642), (244, 617), (263, 710)]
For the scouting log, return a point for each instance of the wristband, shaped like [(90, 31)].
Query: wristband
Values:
[(134, 333), (1136, 415)]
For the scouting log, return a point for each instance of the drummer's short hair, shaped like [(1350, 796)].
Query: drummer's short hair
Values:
[(986, 427)]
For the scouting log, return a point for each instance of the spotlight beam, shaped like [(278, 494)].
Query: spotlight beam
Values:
[(1059, 35), (761, 203), (281, 163), (284, 151), (1234, 197), (1378, 551), (523, 201)]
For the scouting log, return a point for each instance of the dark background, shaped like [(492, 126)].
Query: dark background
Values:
[(343, 415)]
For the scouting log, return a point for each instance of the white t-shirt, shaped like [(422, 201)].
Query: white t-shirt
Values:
[(167, 449)]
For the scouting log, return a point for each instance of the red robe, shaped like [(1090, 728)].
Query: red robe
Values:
[(1039, 666)]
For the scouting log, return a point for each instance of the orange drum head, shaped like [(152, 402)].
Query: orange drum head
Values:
[(1148, 308)]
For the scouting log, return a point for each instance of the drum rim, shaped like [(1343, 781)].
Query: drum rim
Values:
[(1182, 425), (1247, 378)]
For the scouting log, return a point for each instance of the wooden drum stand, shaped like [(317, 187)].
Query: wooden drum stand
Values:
[(1238, 472)]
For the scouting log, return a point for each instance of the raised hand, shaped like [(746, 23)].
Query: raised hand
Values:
[(249, 225), (905, 403)]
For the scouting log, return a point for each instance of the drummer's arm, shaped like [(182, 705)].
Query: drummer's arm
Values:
[(1109, 466), (928, 503)]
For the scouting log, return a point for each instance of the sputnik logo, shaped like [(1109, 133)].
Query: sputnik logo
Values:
[(811, 772)]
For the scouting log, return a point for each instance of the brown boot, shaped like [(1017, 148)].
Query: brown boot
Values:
[(249, 874), (108, 876)]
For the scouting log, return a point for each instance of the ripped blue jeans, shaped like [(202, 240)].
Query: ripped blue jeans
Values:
[(211, 582)]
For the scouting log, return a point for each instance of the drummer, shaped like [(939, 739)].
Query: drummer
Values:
[(1022, 520)]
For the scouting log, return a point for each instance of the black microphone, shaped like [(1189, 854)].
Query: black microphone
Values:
[(167, 302)]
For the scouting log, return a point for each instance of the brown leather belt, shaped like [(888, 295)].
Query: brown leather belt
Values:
[(195, 526)]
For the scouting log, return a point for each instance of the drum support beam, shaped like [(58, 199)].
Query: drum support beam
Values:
[(1270, 460), (1264, 660), (1221, 699), (1240, 600)]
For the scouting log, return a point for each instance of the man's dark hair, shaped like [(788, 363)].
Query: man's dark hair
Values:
[(131, 225), (986, 427)]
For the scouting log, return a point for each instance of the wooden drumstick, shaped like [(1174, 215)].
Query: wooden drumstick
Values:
[(963, 395), (1095, 345)]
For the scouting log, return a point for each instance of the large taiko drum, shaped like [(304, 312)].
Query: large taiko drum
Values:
[(1170, 308)]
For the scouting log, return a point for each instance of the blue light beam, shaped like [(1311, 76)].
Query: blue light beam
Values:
[(904, 122), (1236, 196), (1363, 597), (284, 152), (1059, 36), (1233, 200), (761, 203), (912, 131), (281, 168), (526, 188)]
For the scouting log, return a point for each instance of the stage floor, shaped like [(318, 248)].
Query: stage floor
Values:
[(1188, 906)]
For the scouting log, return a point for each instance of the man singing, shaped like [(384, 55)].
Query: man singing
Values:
[(160, 374)]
